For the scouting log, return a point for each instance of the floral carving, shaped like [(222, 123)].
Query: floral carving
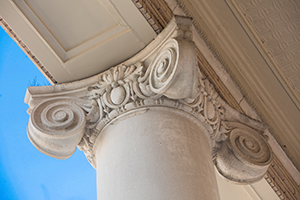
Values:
[(168, 77)]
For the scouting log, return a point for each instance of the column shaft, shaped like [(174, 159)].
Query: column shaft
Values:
[(155, 153)]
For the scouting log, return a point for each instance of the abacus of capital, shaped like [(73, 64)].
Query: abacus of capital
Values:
[(153, 127)]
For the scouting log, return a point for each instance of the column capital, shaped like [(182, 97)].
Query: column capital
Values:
[(164, 74)]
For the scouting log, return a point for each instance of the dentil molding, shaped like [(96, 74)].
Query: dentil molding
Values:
[(164, 74)]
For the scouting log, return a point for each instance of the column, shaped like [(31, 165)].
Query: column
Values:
[(153, 127), (155, 153)]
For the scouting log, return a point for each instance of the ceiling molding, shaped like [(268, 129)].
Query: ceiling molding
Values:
[(27, 51), (275, 28)]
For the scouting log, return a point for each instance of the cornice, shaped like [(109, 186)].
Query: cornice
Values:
[(27, 51), (281, 182), (156, 13)]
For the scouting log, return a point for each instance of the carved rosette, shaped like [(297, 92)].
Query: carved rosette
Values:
[(166, 75)]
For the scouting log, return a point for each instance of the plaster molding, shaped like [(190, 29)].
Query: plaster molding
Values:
[(275, 26), (166, 75), (149, 9)]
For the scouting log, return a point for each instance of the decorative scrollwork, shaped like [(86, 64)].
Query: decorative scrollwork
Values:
[(168, 76), (164, 67), (250, 146), (56, 126), (245, 155)]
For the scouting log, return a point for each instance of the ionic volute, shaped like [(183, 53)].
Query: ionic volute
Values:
[(164, 74)]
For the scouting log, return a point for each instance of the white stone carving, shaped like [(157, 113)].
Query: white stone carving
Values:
[(56, 125), (245, 149), (165, 74), (168, 66)]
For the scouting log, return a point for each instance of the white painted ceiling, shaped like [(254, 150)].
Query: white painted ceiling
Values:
[(74, 39)]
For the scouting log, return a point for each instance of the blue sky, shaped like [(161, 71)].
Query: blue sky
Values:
[(25, 173)]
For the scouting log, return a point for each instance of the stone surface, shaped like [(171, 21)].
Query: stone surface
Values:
[(155, 153), (250, 152), (56, 126), (164, 75)]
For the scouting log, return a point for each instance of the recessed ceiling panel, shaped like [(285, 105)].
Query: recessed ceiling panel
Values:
[(72, 26), (72, 22), (75, 39)]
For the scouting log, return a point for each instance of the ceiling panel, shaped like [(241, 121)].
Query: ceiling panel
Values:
[(75, 39), (71, 27)]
